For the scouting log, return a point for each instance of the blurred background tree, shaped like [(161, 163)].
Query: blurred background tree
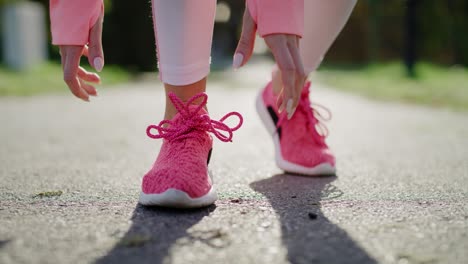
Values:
[(376, 32)]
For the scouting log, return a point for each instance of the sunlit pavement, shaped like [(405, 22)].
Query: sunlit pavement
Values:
[(400, 195)]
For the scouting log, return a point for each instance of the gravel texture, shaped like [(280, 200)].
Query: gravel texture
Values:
[(70, 176)]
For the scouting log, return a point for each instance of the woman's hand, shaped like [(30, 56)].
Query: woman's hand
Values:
[(76, 77), (285, 49)]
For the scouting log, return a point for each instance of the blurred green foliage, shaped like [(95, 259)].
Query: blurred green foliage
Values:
[(4, 2), (435, 85), (48, 78)]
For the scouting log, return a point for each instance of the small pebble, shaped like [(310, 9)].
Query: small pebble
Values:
[(236, 201), (312, 216)]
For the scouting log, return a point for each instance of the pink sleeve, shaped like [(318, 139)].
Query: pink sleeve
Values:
[(278, 16), (71, 20)]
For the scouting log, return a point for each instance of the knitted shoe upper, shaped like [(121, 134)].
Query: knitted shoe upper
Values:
[(302, 138), (182, 162)]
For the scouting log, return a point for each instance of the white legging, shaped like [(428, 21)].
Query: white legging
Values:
[(184, 31)]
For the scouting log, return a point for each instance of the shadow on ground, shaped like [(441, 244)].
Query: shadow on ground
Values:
[(306, 232), (3, 243), (153, 233)]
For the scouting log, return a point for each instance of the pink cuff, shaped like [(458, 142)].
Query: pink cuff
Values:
[(71, 20), (278, 16)]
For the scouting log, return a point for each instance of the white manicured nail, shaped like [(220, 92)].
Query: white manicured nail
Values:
[(289, 109), (98, 64), (237, 60)]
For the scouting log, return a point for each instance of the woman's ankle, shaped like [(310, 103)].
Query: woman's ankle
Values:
[(185, 93)]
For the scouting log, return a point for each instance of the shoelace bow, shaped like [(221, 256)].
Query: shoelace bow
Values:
[(314, 118), (193, 121)]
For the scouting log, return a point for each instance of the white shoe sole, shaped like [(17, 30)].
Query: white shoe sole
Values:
[(177, 199), (320, 169)]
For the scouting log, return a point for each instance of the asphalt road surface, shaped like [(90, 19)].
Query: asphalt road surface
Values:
[(400, 195)]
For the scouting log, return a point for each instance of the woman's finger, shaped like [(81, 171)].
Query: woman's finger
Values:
[(63, 56), (88, 76), (86, 51), (95, 50), (277, 82), (76, 89), (70, 71), (293, 45), (90, 90), (279, 99), (246, 43), (289, 92), (279, 47)]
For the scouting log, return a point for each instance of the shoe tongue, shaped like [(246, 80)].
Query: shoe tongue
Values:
[(202, 110), (192, 108)]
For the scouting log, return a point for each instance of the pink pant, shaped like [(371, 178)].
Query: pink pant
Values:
[(184, 30)]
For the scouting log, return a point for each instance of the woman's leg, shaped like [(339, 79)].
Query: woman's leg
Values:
[(323, 22), (179, 177), (184, 31), (300, 145)]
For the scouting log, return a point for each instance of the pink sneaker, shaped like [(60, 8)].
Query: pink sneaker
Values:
[(179, 177), (299, 146)]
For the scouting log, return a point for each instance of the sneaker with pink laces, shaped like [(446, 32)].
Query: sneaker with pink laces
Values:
[(179, 176), (299, 142)]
